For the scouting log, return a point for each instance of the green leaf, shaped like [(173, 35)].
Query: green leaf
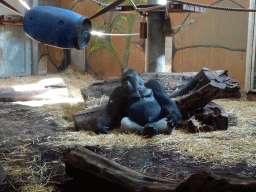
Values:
[(118, 24), (118, 17), (99, 9), (95, 23), (109, 2), (94, 48)]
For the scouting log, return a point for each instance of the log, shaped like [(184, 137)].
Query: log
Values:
[(84, 119), (211, 118), (171, 82), (229, 88), (11, 20), (203, 181), (204, 87), (87, 167), (44, 89), (82, 162), (2, 174)]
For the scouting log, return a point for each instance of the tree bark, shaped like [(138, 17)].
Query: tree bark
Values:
[(171, 82), (82, 162), (88, 167), (211, 118), (2, 174)]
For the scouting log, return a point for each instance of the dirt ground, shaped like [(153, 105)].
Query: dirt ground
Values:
[(33, 139)]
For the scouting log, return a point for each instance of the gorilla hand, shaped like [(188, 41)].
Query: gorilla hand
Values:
[(173, 118), (102, 130)]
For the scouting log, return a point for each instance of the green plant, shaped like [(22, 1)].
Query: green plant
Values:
[(112, 22)]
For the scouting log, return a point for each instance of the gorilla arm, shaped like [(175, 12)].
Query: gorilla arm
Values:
[(110, 117), (169, 107)]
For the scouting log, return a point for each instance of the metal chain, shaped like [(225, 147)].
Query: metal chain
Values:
[(214, 7)]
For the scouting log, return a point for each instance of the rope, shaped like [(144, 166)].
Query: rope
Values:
[(199, 5), (11, 7), (111, 34), (108, 8), (215, 7), (105, 5)]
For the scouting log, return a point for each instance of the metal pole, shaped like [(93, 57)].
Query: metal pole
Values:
[(155, 43), (34, 47), (250, 53)]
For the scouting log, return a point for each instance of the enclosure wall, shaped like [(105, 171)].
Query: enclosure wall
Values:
[(216, 40), (102, 62)]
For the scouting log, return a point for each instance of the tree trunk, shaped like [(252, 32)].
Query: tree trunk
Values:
[(172, 82), (2, 174), (87, 167), (81, 162), (211, 118)]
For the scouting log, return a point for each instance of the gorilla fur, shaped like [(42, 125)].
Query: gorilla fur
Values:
[(138, 107)]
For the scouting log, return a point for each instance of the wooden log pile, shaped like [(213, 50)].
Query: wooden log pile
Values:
[(83, 164), (191, 91)]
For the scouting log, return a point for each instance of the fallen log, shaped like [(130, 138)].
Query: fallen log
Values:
[(86, 167), (11, 20), (44, 89), (228, 87), (200, 90), (172, 82), (82, 163), (203, 181), (211, 118), (2, 174)]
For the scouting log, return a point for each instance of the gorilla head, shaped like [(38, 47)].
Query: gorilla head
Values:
[(133, 85)]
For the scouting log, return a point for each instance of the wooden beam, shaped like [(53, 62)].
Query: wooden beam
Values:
[(11, 20), (87, 167), (81, 162)]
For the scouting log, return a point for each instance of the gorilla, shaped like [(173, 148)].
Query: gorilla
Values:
[(138, 107)]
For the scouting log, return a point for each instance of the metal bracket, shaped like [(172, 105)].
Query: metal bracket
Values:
[(190, 22)]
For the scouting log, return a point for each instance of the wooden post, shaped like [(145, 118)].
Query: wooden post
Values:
[(155, 42)]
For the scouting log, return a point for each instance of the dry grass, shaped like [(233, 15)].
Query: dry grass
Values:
[(237, 144)]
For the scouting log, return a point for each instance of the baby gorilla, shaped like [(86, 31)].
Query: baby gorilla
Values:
[(138, 107)]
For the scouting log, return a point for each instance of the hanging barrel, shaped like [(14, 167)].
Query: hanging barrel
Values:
[(57, 27)]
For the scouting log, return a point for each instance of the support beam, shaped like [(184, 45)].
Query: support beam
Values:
[(155, 43), (34, 47)]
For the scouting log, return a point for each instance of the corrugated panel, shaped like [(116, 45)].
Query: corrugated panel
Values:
[(15, 54)]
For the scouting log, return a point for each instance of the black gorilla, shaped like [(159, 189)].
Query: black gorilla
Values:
[(138, 106)]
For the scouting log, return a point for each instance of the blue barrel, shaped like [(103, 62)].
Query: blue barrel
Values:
[(57, 27)]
